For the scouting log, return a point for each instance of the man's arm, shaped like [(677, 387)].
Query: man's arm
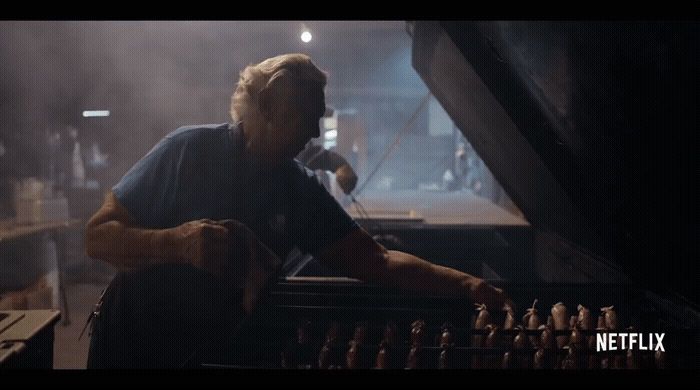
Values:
[(112, 235), (359, 256)]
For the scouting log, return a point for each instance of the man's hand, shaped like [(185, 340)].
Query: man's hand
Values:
[(494, 298), (251, 260), (203, 243), (230, 250), (346, 177)]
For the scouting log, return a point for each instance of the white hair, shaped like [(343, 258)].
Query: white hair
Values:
[(244, 102)]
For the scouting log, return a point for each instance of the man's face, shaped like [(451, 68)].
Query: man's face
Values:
[(294, 120)]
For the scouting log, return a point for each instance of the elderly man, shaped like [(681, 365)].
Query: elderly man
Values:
[(217, 206)]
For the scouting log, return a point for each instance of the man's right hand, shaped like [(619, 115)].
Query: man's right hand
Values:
[(203, 243)]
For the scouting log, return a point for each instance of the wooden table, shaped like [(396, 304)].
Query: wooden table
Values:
[(27, 338), (10, 231)]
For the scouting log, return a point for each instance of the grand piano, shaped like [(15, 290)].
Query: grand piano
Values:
[(590, 129)]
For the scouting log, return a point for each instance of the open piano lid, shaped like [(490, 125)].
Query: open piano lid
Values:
[(589, 127)]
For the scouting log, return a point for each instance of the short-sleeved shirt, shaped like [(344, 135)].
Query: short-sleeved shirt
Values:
[(199, 172)]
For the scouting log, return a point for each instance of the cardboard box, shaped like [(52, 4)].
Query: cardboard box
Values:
[(43, 294), (31, 211)]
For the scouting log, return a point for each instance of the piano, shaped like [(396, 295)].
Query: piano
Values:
[(589, 128)]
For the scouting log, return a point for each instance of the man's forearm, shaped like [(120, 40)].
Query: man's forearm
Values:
[(412, 273), (359, 256), (130, 247)]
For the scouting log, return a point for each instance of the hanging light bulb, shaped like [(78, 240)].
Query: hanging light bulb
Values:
[(305, 33)]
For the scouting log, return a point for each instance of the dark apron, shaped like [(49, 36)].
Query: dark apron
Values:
[(165, 316)]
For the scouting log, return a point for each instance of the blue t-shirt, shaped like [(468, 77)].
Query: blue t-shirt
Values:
[(199, 172)]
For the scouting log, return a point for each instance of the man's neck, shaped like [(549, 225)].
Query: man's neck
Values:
[(258, 162)]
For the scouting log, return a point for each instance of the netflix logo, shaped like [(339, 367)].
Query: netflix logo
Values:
[(624, 341)]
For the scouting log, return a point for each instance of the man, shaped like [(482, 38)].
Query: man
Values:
[(217, 206)]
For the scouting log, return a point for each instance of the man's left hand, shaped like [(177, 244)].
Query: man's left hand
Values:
[(494, 298)]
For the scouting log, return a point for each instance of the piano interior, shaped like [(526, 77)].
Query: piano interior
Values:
[(583, 244)]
